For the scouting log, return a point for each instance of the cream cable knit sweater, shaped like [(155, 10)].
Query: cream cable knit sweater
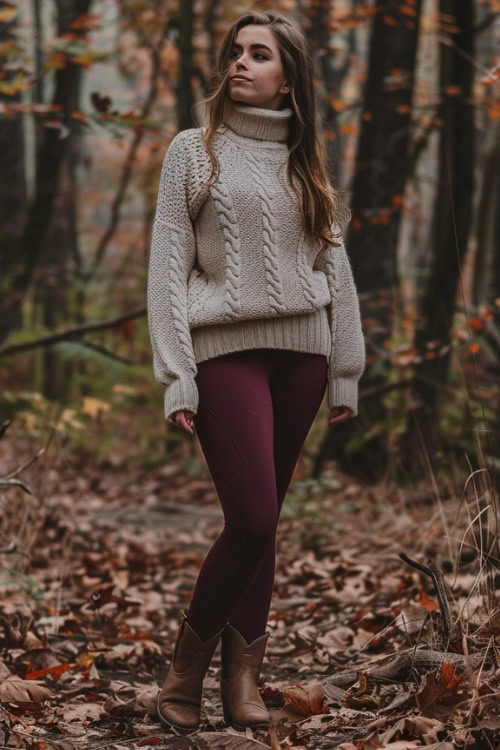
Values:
[(230, 268)]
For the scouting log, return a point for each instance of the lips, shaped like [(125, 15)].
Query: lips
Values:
[(239, 78)]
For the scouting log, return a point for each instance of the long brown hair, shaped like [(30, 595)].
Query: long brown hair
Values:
[(322, 207)]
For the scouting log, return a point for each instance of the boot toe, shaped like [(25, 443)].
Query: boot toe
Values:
[(248, 714), (252, 716), (179, 715), (256, 714)]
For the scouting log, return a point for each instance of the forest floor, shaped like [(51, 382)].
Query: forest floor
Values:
[(98, 562)]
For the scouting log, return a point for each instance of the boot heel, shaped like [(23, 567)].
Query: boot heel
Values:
[(227, 713), (228, 716)]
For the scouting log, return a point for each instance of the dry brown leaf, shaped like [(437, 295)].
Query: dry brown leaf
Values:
[(422, 727), (142, 703), (15, 690), (337, 639), (440, 690), (306, 700), (83, 712), (4, 671)]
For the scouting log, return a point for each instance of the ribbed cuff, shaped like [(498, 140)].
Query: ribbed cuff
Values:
[(343, 392), (182, 393)]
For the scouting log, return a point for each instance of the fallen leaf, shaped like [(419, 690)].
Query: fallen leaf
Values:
[(305, 700), (83, 712), (438, 692), (55, 672), (15, 690)]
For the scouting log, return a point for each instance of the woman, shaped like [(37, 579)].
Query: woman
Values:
[(253, 313)]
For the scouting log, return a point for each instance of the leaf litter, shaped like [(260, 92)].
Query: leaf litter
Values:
[(98, 563)]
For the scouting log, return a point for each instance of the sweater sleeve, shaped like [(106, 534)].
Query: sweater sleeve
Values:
[(348, 357), (172, 256)]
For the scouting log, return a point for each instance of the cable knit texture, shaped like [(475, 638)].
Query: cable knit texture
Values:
[(230, 268)]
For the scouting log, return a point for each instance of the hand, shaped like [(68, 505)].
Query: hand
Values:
[(339, 414), (183, 419)]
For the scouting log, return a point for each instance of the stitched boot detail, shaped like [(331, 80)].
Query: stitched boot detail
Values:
[(241, 663), (178, 702)]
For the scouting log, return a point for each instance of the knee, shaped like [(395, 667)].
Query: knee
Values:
[(258, 533)]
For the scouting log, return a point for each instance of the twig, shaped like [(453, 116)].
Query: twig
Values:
[(13, 548), (106, 352), (70, 333), (475, 683), (445, 39), (23, 466), (15, 483), (400, 666), (437, 578)]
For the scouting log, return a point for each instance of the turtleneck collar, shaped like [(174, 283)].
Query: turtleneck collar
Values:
[(256, 122)]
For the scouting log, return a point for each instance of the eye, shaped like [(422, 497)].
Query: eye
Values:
[(257, 54)]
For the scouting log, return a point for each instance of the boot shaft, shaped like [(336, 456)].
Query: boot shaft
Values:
[(238, 655)]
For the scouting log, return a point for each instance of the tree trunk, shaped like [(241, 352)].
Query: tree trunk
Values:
[(23, 255), (14, 198), (382, 164), (332, 74), (54, 277), (450, 235)]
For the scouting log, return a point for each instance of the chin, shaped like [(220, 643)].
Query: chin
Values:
[(242, 101)]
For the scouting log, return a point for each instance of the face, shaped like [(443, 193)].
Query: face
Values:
[(255, 56)]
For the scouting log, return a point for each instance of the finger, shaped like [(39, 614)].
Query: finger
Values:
[(184, 424), (340, 411), (339, 418)]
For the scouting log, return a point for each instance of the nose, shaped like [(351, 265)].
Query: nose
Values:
[(239, 60)]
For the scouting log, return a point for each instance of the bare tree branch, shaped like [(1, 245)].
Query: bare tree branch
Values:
[(106, 352), (70, 333)]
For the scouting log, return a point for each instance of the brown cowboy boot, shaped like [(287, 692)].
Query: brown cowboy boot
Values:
[(179, 701), (241, 663)]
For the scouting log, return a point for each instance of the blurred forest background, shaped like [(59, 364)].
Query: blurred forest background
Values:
[(92, 92), (107, 511)]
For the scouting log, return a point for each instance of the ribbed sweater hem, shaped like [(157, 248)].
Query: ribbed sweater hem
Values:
[(302, 333)]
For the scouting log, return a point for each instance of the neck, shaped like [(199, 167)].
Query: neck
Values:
[(257, 122)]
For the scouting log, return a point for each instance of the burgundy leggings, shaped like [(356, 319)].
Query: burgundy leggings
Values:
[(255, 410)]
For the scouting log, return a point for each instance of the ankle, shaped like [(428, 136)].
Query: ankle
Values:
[(203, 634)]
